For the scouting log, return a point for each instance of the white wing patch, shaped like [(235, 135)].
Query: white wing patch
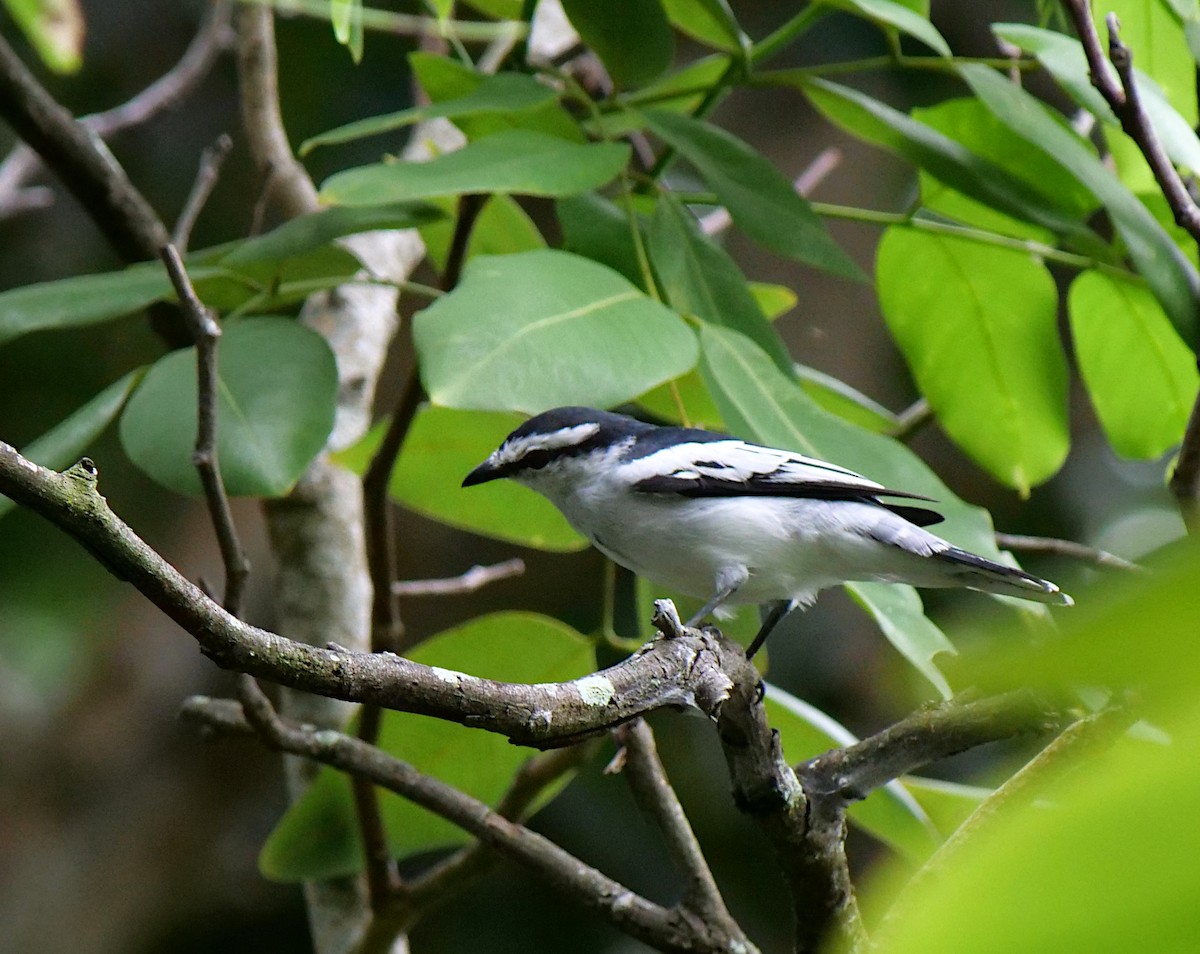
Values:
[(735, 461)]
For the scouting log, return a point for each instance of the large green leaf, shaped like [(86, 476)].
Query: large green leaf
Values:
[(67, 441), (276, 393), (540, 329), (949, 161), (762, 202), (441, 447), (599, 229), (948, 804), (1064, 59), (967, 121), (83, 300), (500, 94), (632, 37), (1142, 379), (759, 402), (848, 403), (889, 813), (1102, 881), (896, 16), (697, 277), (318, 837), (1172, 277), (978, 328), (446, 80), (515, 160)]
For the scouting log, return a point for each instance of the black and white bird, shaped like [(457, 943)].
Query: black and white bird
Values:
[(722, 519)]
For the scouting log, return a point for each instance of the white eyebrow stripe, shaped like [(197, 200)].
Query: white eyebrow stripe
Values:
[(735, 460), (513, 450)]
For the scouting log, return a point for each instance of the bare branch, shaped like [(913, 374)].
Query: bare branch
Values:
[(211, 161), (666, 929), (646, 776), (474, 579), (206, 333), (212, 39), (1067, 548), (911, 420), (290, 185)]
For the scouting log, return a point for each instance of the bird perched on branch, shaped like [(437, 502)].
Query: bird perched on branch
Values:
[(733, 522)]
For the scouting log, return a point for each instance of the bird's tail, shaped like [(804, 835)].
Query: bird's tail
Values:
[(980, 573)]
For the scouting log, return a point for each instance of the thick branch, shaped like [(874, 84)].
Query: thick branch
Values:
[(665, 929), (692, 669)]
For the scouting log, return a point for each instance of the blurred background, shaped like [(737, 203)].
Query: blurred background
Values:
[(123, 831)]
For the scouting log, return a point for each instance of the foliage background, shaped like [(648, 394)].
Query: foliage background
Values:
[(123, 831)]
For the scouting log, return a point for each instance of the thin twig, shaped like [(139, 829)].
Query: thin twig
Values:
[(211, 161), (911, 420), (637, 916), (206, 333), (1067, 548), (474, 579), (212, 39), (648, 779)]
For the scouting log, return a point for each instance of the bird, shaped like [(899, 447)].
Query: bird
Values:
[(733, 522)]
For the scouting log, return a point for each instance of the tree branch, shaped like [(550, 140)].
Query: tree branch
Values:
[(212, 39), (474, 579), (1121, 94), (1066, 548), (211, 161), (648, 779), (664, 928), (206, 333)]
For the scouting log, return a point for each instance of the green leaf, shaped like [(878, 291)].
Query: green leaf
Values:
[(889, 813), (276, 392), (501, 228), (599, 229), (347, 20), (896, 16), (697, 277), (1063, 57), (67, 441), (837, 397), (711, 22), (693, 395), (1142, 379), (83, 300), (761, 201), (632, 37), (442, 446), (774, 301), (1172, 277), (540, 329), (54, 28), (898, 610), (760, 404), (969, 122), (318, 837), (977, 326), (947, 160), (501, 94), (520, 161), (310, 233)]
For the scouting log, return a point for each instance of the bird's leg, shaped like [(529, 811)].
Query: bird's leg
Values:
[(779, 609), (729, 581)]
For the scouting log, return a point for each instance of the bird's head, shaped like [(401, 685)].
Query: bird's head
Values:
[(550, 447)]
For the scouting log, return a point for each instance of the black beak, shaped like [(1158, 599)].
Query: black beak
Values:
[(481, 474)]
